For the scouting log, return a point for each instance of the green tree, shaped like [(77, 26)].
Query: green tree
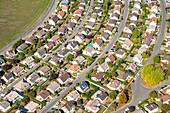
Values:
[(113, 94), (18, 43), (122, 98), (101, 61), (153, 94), (69, 57), (136, 33), (156, 59), (152, 75), (110, 64), (114, 105), (108, 75), (48, 34)]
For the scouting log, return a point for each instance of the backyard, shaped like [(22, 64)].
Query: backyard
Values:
[(18, 15)]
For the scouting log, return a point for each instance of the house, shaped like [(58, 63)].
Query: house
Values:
[(79, 38), (105, 36), (72, 45), (97, 12), (64, 77), (69, 107), (112, 22), (4, 106), (48, 27), (2, 63), (98, 43), (70, 26), (102, 96), (22, 47), (53, 21), (103, 67), (98, 6), (98, 76), (75, 19), (125, 36), (152, 107), (64, 2), (86, 31), (31, 106), (83, 86), (54, 39), (78, 12), (120, 53), (93, 18), (164, 99), (56, 60), (93, 105), (115, 16), (122, 76), (142, 49), (134, 17), (78, 60), (40, 52), (18, 70), (137, 59), (100, 1), (65, 8), (89, 51), (13, 96), (62, 30), (116, 10), (74, 96), (81, 6), (73, 68), (49, 45), (83, 2), (139, 111), (127, 44), (11, 54), (61, 14), (110, 58), (32, 79), (114, 85), (43, 70), (63, 53), (167, 49), (131, 67), (31, 39), (42, 95), (108, 29), (54, 86), (127, 30), (165, 59), (29, 61), (8, 77), (40, 33), (21, 86), (90, 25)]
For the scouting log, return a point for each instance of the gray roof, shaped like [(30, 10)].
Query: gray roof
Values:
[(105, 35), (103, 95), (54, 86), (64, 52), (8, 75), (73, 43), (41, 51), (5, 104)]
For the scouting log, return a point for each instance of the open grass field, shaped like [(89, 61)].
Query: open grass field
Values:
[(16, 16)]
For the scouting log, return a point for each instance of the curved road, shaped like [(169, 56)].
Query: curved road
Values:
[(82, 75), (139, 92), (44, 18)]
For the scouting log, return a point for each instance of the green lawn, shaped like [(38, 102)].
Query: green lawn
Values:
[(18, 15)]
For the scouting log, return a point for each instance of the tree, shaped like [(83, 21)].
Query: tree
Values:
[(114, 105), (53, 76), (136, 33), (153, 94), (48, 34), (101, 61), (156, 59), (80, 101), (152, 75), (18, 43), (122, 98), (108, 75), (69, 57), (2, 73), (36, 60), (6, 67), (110, 64), (113, 94)]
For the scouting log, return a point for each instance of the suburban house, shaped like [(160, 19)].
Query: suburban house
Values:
[(8, 77), (98, 76), (53, 21), (165, 99), (98, 6), (29, 61), (4, 106), (110, 58), (56, 60), (81, 6), (43, 70), (114, 85), (97, 12), (40, 33), (108, 29), (83, 86), (93, 105), (22, 47), (101, 96), (90, 25), (98, 43), (21, 86), (48, 27), (74, 96), (54, 86), (165, 59), (103, 67), (49, 45), (137, 59), (64, 2), (152, 107), (62, 30), (69, 107), (31, 106), (71, 25), (11, 54), (93, 18), (112, 22), (79, 38), (64, 77), (42, 95), (126, 44), (89, 51), (86, 31), (63, 53), (18, 70), (40, 53), (105, 36), (83, 2), (73, 68), (78, 60), (13, 96), (2, 63), (75, 19), (54, 39), (31, 39), (122, 76), (33, 78), (78, 12), (61, 14), (120, 53), (131, 67), (72, 45)]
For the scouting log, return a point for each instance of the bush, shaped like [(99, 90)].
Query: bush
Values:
[(156, 59)]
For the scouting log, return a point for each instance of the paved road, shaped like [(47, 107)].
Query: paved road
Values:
[(44, 18), (49, 55), (82, 75), (139, 92)]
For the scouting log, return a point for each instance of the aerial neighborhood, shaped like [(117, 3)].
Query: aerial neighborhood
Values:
[(91, 56)]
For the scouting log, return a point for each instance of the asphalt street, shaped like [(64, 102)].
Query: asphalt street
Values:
[(82, 75), (139, 92)]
